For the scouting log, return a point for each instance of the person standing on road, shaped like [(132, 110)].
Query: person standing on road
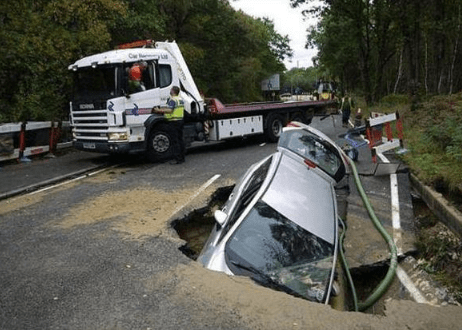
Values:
[(174, 113), (347, 105)]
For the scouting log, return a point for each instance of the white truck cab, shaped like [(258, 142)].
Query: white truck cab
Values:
[(107, 116)]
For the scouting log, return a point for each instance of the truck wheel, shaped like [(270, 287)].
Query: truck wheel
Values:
[(298, 117), (159, 144), (309, 116), (274, 127)]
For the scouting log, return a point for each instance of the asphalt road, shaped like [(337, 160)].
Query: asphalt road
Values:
[(100, 253), (91, 276)]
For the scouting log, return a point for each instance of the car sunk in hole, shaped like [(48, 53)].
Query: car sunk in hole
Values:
[(280, 225)]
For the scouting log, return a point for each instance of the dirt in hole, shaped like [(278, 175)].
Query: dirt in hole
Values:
[(195, 227), (439, 249)]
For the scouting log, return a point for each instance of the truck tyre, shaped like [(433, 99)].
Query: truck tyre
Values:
[(274, 127), (159, 144), (309, 116), (298, 117)]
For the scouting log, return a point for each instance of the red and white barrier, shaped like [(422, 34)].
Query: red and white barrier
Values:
[(16, 145), (374, 133)]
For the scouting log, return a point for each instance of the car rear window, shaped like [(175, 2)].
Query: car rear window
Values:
[(313, 148)]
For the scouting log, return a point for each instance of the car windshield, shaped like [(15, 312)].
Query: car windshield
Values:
[(269, 247), (314, 148), (96, 83)]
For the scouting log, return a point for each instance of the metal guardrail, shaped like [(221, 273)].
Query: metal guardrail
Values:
[(20, 140)]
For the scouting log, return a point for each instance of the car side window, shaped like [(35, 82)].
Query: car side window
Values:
[(248, 192)]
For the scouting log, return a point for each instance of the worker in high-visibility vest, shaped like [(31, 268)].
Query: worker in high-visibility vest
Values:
[(174, 113), (347, 105)]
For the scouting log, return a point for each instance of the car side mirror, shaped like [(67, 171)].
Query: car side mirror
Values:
[(220, 217)]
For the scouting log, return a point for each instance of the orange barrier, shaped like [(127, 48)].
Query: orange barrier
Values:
[(374, 133)]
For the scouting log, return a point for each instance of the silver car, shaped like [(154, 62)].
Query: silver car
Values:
[(280, 225)]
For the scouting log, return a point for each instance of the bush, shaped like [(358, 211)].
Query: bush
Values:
[(394, 100)]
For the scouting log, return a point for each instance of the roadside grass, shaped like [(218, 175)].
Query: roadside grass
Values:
[(433, 138)]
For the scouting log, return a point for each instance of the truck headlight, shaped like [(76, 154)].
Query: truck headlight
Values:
[(118, 136)]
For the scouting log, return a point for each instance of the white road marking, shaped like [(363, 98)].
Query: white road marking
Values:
[(396, 221), (66, 182), (407, 282), (71, 180), (199, 191)]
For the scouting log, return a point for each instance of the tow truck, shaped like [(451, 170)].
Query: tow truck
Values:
[(107, 117)]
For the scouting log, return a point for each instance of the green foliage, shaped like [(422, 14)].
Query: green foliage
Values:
[(392, 100), (300, 77), (142, 21), (433, 134), (389, 46), (235, 50), (39, 40), (228, 52)]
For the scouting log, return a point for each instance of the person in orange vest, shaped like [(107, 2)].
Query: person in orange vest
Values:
[(135, 77), (174, 113)]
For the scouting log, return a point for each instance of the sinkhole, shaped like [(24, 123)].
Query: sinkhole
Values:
[(195, 228)]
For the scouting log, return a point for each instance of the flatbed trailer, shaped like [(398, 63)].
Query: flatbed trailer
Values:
[(267, 117), (218, 109)]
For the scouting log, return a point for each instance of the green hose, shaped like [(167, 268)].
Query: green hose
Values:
[(385, 283), (345, 265)]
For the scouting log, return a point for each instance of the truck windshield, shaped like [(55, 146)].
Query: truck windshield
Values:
[(95, 83), (271, 249)]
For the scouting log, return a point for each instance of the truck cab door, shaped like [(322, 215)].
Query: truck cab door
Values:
[(140, 101)]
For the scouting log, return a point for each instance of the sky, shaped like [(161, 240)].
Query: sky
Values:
[(287, 21)]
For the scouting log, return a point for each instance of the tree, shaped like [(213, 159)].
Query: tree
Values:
[(39, 40), (393, 45), (143, 20), (228, 52)]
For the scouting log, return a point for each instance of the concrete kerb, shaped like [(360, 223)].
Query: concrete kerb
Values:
[(51, 181), (447, 214)]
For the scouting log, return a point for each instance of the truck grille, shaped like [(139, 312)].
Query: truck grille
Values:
[(90, 120), (89, 105)]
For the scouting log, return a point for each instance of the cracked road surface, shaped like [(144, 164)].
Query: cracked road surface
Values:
[(100, 253)]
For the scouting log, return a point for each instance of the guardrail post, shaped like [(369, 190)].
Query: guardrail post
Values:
[(55, 134), (22, 143)]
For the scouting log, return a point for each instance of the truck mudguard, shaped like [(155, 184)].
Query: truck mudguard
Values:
[(151, 122)]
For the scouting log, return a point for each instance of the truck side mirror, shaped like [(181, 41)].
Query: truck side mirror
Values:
[(220, 217), (126, 94)]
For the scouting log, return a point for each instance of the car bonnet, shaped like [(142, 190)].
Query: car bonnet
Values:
[(304, 197)]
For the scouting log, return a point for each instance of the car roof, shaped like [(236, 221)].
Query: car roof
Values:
[(303, 196)]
